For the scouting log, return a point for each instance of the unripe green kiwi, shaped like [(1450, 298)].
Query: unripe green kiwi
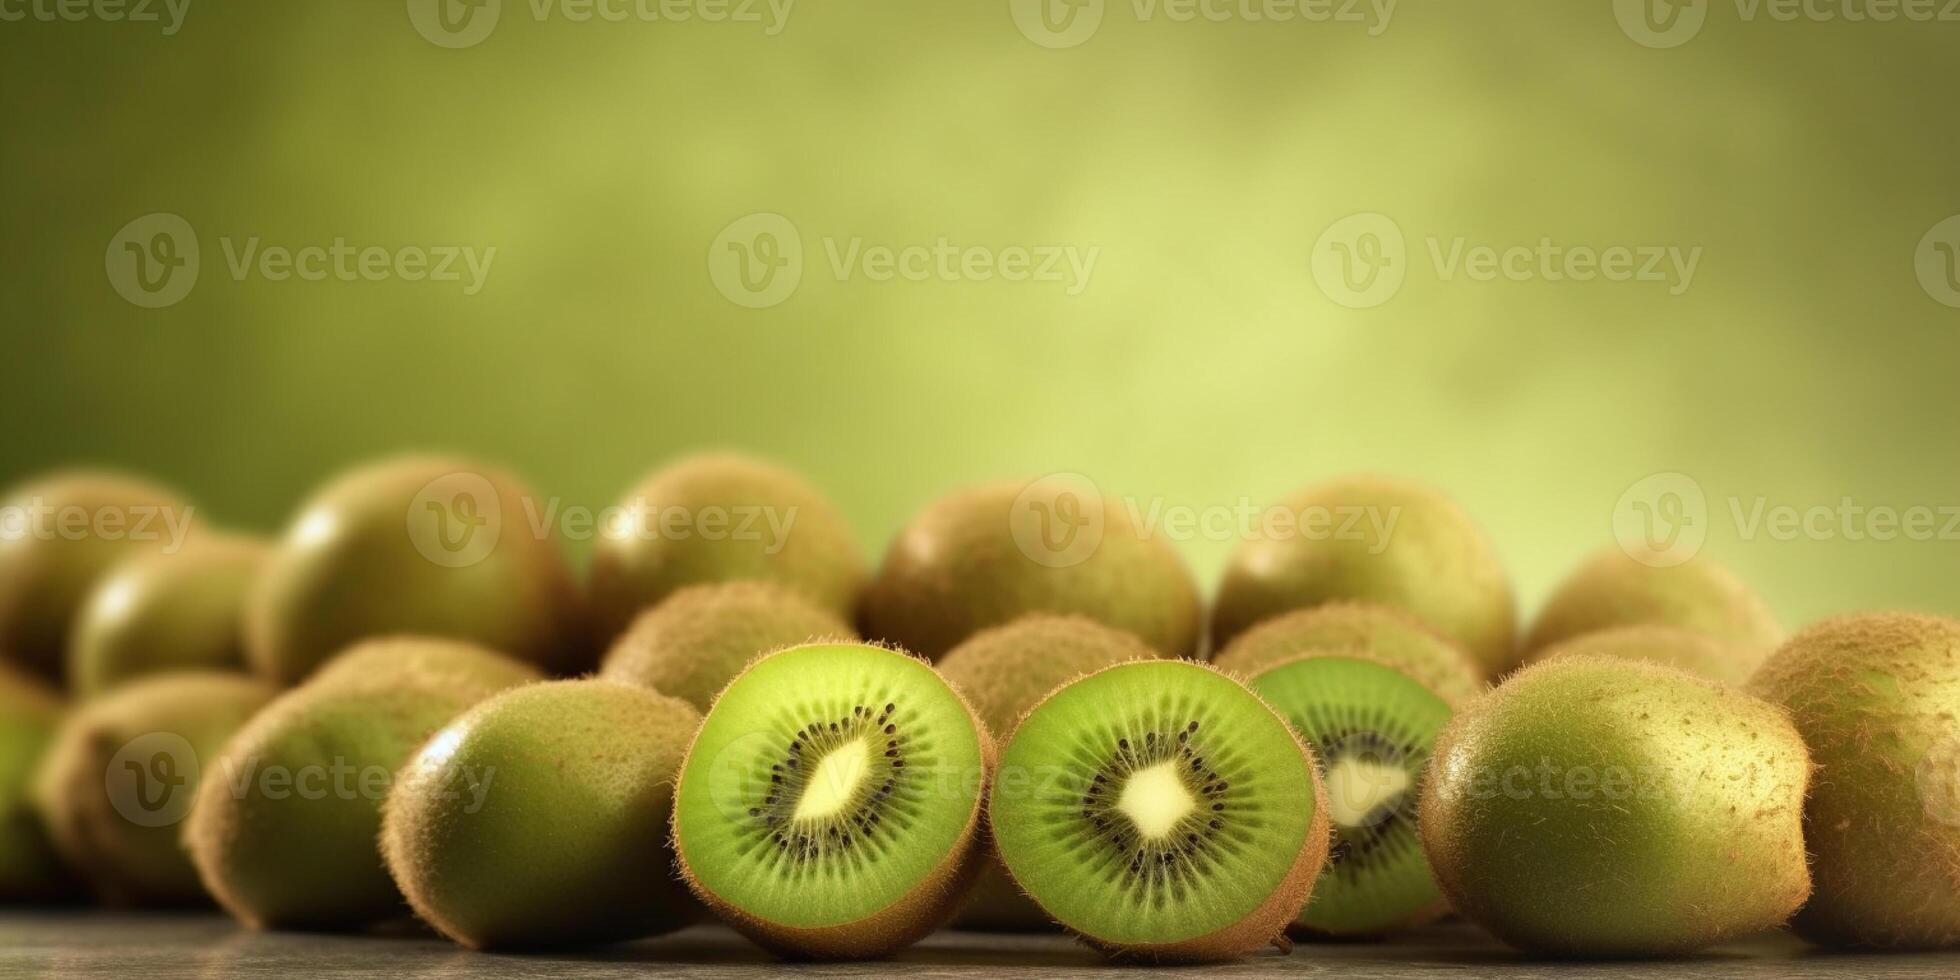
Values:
[(722, 517), (1877, 696), (122, 771), (974, 560), (156, 613), (1615, 588), (29, 867), (1672, 646), (285, 833), (421, 545), (1598, 807), (58, 535), (696, 641), (1379, 540), (512, 828), (1388, 635), (1003, 671)]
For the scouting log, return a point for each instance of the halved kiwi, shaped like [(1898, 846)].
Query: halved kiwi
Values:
[(1373, 728), (1381, 633), (831, 804), (1161, 811)]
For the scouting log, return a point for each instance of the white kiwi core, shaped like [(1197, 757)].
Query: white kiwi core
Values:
[(835, 781), (1155, 799), (1357, 789)]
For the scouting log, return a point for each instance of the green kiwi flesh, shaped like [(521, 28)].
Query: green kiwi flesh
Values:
[(1594, 807), (1377, 632), (416, 545), (830, 806), (696, 641), (959, 567), (1162, 812), (123, 768), (1372, 728), (1877, 697), (1385, 541), (723, 517), (1003, 671), (155, 613), (1618, 588), (511, 829), (285, 832)]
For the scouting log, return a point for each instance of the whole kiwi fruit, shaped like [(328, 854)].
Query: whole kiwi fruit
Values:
[(1380, 540), (696, 641), (1596, 807), (123, 770), (60, 533), (511, 830), (992, 554), (1003, 671), (721, 517), (286, 829), (423, 545), (831, 805), (1616, 587), (161, 612), (1877, 697), (29, 868), (1672, 646), (1380, 633)]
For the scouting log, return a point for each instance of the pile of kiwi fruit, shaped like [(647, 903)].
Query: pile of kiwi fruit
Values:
[(410, 706)]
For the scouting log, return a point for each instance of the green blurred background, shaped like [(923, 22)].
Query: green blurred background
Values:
[(1202, 365)]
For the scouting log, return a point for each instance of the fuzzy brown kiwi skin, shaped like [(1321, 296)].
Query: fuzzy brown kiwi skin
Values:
[(1263, 926), (919, 913)]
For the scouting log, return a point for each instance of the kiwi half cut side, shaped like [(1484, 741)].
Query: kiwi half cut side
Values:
[(830, 806), (1162, 812), (1373, 729)]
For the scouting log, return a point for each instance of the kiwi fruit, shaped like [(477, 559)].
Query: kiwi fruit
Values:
[(1672, 646), (967, 562), (1162, 812), (1618, 588), (156, 613), (29, 868), (1380, 633), (1379, 540), (287, 822), (123, 769), (508, 829), (58, 535), (424, 661), (1003, 671), (1596, 807), (696, 641), (722, 517), (422, 545), (1877, 697), (830, 806), (1372, 729)]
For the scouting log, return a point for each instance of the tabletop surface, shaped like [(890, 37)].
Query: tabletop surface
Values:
[(165, 947)]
